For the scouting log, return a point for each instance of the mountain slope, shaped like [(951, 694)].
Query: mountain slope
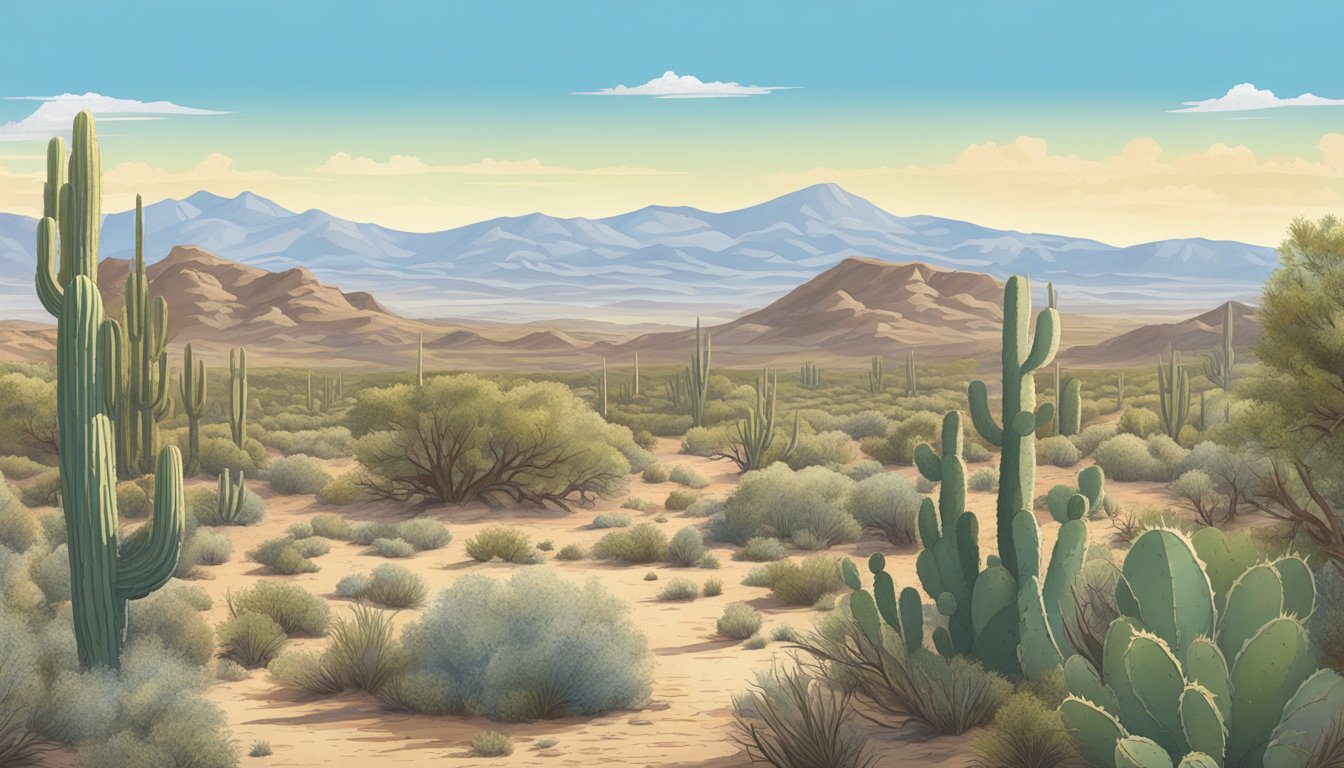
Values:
[(1198, 334), (657, 264)]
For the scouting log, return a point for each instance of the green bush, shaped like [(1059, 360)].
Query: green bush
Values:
[(683, 475), (334, 527), (639, 545), (424, 534), (203, 502), (756, 642), (393, 586), (297, 474), (325, 443), (132, 501), (984, 479), (207, 546), (354, 585), (780, 502), (491, 744), (171, 617), (312, 546), (365, 534), (686, 549), (1140, 422), (1127, 457), (889, 504), (1058, 451), (296, 610), (534, 647), (792, 719), (680, 499), (713, 587), (1026, 734), (545, 545), (20, 467), (1093, 436), (656, 473), (922, 427), (251, 639), (739, 621), (362, 654), (680, 589), (19, 527), (282, 556), (299, 530), (761, 550), (508, 544), (393, 547), (805, 581), (705, 441), (638, 504), (342, 490), (571, 552), (610, 520), (44, 490), (863, 424), (824, 449), (260, 748), (218, 454)]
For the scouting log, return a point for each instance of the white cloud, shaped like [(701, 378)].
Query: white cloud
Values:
[(215, 167), (343, 164), (1246, 97), (673, 86), (57, 113)]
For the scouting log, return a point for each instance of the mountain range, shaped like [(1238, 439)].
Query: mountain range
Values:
[(655, 264)]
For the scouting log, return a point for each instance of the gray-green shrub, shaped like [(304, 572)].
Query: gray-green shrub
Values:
[(739, 621), (889, 504), (295, 609), (778, 501), (297, 474)]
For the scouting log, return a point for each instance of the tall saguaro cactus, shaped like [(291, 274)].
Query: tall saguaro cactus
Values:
[(1015, 434), (697, 376), (192, 389), (104, 574), (876, 375), (602, 390), (1173, 390), (636, 383), (911, 385), (1218, 363), (238, 395), (147, 338)]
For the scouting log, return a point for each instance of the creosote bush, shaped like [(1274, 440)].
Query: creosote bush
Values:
[(638, 545), (680, 589), (491, 744), (251, 639), (761, 549), (282, 556), (800, 582), (1058, 451), (713, 587), (536, 646), (680, 499), (656, 473), (683, 475), (362, 654), (424, 534), (297, 474), (330, 526), (779, 502), (393, 586), (686, 549), (610, 520), (571, 552), (739, 621), (508, 544), (889, 504), (393, 547), (295, 609)]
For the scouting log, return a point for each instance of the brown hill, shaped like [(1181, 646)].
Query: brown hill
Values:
[(859, 307), (1198, 334)]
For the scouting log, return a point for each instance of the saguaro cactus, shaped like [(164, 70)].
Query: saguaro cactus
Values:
[(229, 501), (238, 395), (876, 375), (104, 574), (1069, 413), (809, 375), (636, 382), (676, 389), (309, 394), (1173, 390), (192, 389), (602, 390), (911, 385), (1015, 435), (697, 376), (756, 433), (1120, 392), (147, 336), (1218, 363)]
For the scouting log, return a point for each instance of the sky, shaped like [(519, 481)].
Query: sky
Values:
[(1122, 122)]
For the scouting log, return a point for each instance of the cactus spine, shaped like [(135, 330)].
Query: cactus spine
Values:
[(756, 433), (809, 375), (147, 336), (876, 376), (1015, 435), (192, 390), (1173, 389), (911, 386), (104, 575), (238, 395), (602, 390), (1218, 363), (697, 376)]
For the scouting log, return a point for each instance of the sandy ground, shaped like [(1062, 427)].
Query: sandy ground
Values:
[(688, 722)]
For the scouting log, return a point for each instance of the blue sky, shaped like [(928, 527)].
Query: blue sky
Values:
[(878, 85)]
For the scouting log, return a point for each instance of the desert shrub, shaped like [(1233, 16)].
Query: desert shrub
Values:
[(207, 546), (297, 474), (393, 547), (353, 585), (342, 490), (739, 621), (295, 609), (20, 467), (251, 639), (330, 526), (761, 549), (542, 442), (172, 617), (780, 502), (260, 748), (312, 546), (282, 556), (610, 520), (803, 582), (651, 576), (545, 545), (703, 507), (1195, 488), (44, 490), (889, 504), (1167, 451), (19, 527), (863, 424), (784, 634), (636, 455), (132, 501), (508, 544), (1327, 622), (688, 477), (975, 452), (203, 502), (51, 574), (393, 586), (364, 534), (424, 534), (218, 454), (645, 439), (638, 504), (28, 414), (756, 642), (922, 427), (299, 530), (1092, 436), (686, 549), (706, 441), (862, 469), (1058, 451), (791, 719), (491, 744), (1140, 422), (1094, 607), (639, 545), (680, 499), (656, 473), (824, 449), (1234, 472), (680, 589), (571, 552), (1128, 457), (325, 443), (984, 479), (534, 647), (362, 654), (230, 671), (1026, 734), (713, 587)]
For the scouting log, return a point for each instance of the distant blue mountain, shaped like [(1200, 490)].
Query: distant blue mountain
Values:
[(655, 264)]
